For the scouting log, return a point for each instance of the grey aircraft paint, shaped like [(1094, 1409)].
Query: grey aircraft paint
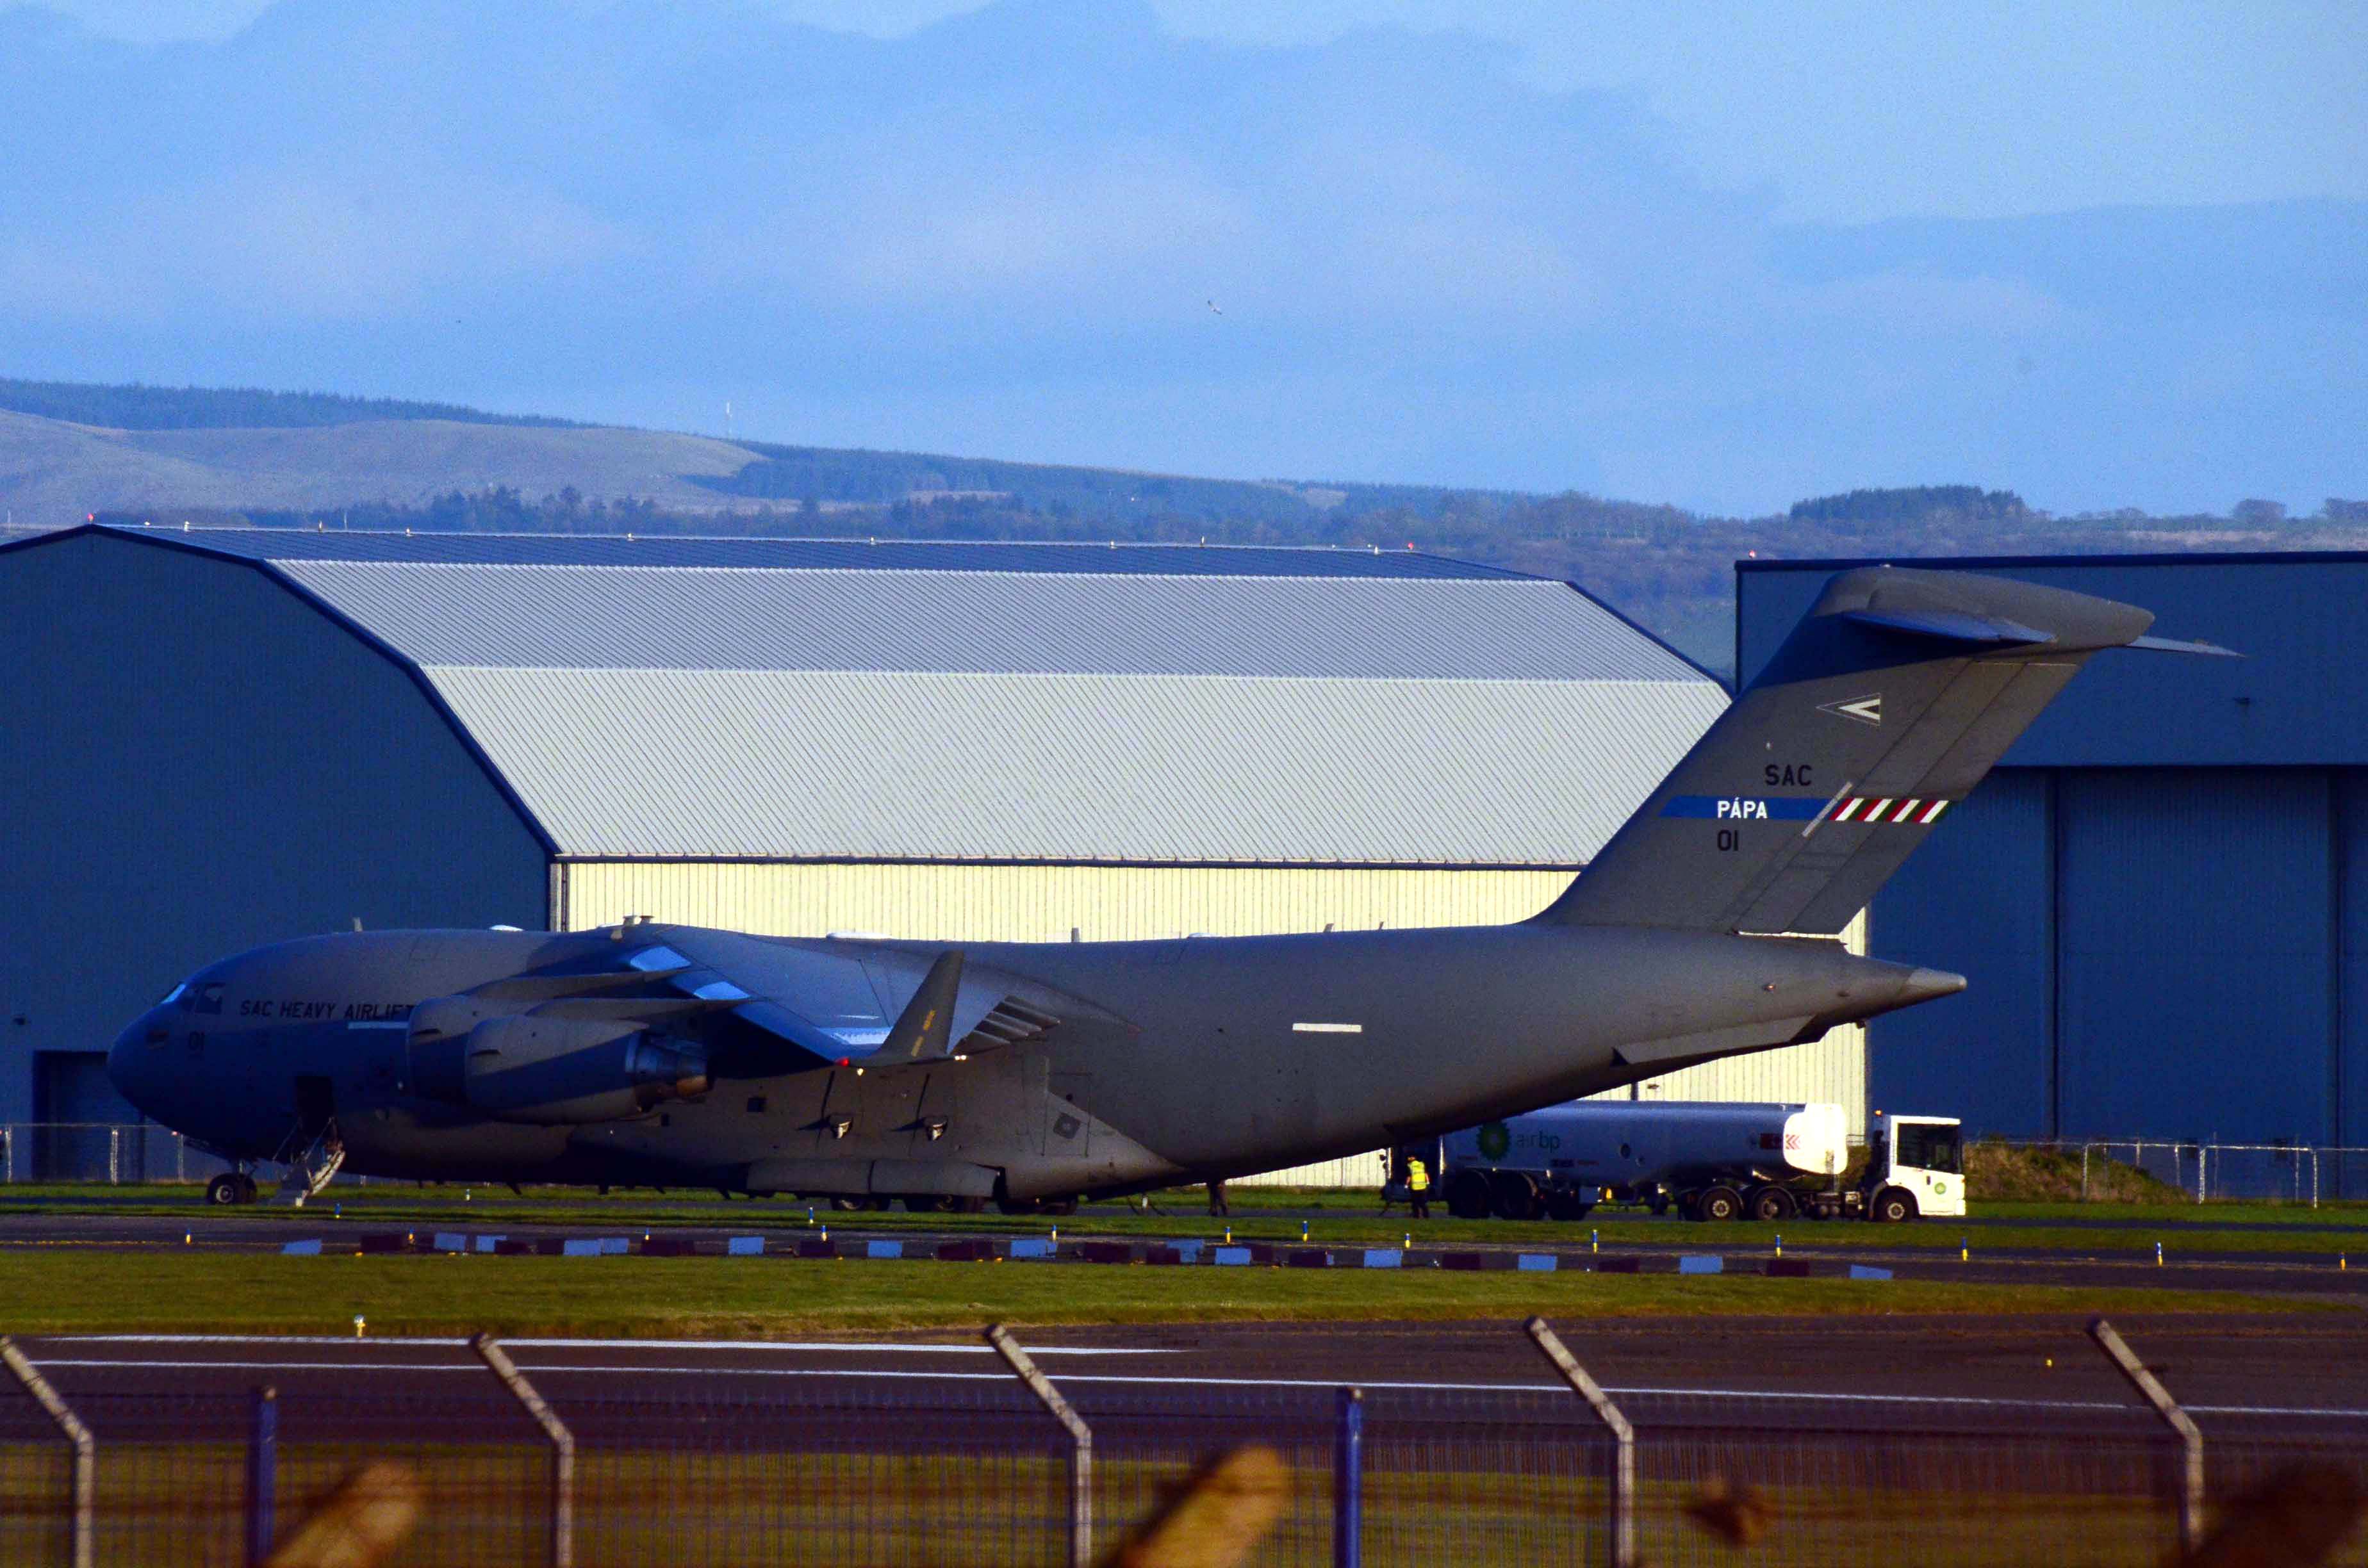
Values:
[(674, 1055)]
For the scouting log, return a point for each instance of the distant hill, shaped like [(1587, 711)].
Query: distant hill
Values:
[(138, 407), (313, 459)]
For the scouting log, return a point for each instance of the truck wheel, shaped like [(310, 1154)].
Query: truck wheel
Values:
[(1719, 1203), (1772, 1203), (1514, 1196), (1568, 1204), (1467, 1195), (1893, 1206)]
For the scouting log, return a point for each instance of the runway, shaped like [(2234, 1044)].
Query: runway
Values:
[(1985, 1370)]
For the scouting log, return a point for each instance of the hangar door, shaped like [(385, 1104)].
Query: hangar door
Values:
[(2194, 956), (76, 1108), (1978, 897)]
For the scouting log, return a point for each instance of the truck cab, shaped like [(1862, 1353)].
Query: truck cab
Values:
[(1916, 1166)]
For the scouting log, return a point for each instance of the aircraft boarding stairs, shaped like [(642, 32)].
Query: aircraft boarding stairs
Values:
[(310, 1165)]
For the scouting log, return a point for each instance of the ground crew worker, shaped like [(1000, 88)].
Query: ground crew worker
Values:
[(1418, 1188)]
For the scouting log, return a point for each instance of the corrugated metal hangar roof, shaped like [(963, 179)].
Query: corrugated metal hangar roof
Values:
[(707, 699)]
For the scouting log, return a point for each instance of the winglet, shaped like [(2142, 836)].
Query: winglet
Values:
[(2172, 645), (925, 1027)]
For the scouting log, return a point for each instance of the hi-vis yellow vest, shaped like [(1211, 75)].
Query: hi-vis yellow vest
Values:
[(1418, 1178)]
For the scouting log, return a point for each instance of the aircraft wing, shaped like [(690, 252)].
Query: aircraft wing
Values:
[(839, 1002)]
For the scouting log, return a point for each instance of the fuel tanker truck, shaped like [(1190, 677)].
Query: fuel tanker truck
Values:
[(1711, 1160)]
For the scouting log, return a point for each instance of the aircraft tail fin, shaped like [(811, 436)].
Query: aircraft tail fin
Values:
[(1885, 706)]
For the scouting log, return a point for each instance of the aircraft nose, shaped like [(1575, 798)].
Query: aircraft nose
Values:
[(129, 1062)]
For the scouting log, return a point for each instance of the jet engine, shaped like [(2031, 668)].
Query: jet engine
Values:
[(557, 1071)]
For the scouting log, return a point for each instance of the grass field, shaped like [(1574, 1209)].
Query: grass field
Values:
[(83, 1290), (1273, 1215)]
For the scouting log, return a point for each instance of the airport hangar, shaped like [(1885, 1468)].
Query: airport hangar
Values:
[(225, 737), (2160, 896)]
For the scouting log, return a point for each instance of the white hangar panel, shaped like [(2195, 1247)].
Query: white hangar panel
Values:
[(1009, 622), (1042, 903), (1158, 768)]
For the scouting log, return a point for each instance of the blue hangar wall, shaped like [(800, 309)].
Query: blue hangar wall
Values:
[(2161, 898), (198, 760)]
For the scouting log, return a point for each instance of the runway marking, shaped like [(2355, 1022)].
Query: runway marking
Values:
[(801, 1345), (1794, 1395)]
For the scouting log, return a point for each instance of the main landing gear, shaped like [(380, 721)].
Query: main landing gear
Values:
[(230, 1190)]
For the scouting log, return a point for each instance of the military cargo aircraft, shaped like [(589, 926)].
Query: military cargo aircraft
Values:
[(951, 1074)]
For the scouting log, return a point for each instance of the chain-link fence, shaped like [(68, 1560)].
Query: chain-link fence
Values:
[(2283, 1172), (100, 1150), (840, 1467)]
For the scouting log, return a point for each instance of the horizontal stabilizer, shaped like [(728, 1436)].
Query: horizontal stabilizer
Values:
[(1883, 707), (1950, 626)]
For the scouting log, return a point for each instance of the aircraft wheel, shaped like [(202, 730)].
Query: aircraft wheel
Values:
[(1772, 1203), (966, 1205), (1568, 1206), (1057, 1206), (228, 1189), (1514, 1196), (1719, 1203), (847, 1205), (928, 1203), (1467, 1195), (1892, 1206)]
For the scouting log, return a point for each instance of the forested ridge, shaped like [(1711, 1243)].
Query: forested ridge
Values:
[(1670, 569)]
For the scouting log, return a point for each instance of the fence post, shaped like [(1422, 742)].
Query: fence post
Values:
[(1623, 1439), (2191, 1491), (114, 1156), (2084, 1173), (562, 1447), (86, 1453), (1081, 1443), (1348, 1482), (262, 1474)]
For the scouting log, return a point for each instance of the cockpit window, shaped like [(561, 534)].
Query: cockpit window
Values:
[(174, 994), (204, 998)]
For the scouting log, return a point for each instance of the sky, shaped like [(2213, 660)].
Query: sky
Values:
[(1720, 255)]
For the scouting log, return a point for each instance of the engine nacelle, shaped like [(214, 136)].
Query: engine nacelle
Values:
[(557, 1072)]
